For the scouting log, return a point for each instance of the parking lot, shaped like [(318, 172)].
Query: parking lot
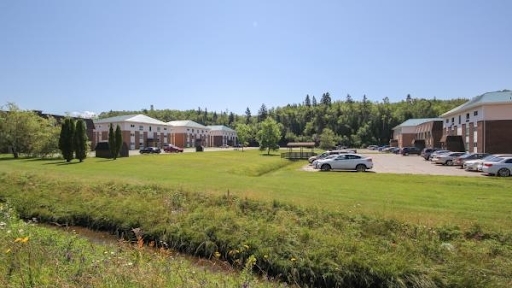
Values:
[(412, 164)]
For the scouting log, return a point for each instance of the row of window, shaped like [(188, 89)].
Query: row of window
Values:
[(475, 113)]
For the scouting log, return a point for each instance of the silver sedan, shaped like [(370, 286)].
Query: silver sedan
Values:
[(356, 162)]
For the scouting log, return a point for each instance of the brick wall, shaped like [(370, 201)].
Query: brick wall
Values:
[(498, 135)]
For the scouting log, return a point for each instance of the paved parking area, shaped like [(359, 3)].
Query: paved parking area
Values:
[(412, 164)]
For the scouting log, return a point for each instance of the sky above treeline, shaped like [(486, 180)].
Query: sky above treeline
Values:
[(229, 55)]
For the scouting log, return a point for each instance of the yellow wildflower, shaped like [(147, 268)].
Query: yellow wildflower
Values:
[(22, 240)]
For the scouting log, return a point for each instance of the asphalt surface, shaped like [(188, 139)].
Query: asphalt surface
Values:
[(412, 164)]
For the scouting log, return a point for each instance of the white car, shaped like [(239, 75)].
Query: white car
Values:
[(476, 165), (349, 161), (499, 166)]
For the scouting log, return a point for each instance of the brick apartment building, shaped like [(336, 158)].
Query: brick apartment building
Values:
[(483, 124), (137, 131)]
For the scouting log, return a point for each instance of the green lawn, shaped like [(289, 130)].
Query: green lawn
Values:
[(419, 199), (336, 229)]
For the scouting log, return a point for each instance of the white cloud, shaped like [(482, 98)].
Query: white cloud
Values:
[(84, 114)]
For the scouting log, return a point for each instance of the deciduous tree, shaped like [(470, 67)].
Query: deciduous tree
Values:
[(269, 135)]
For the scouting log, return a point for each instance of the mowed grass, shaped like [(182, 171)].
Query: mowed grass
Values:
[(418, 199)]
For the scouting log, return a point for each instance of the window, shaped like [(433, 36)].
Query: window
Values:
[(447, 120), (149, 128), (475, 113), (141, 128), (132, 134), (453, 120), (158, 129), (132, 126), (475, 144), (467, 117), (459, 118)]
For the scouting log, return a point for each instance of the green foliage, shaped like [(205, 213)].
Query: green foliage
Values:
[(67, 139), (81, 145), (33, 255), (327, 139), (112, 141), (25, 132), (268, 135), (118, 141), (244, 134), (357, 123)]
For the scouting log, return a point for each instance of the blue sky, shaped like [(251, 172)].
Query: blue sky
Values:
[(74, 56)]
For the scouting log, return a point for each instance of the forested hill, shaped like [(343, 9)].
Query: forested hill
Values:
[(350, 122)]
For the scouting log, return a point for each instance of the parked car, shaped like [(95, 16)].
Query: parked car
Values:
[(410, 150), (447, 158), (326, 157), (356, 162), (437, 152), (459, 161), (380, 148), (476, 165), (150, 150), (499, 166), (425, 153), (171, 148), (372, 147), (325, 154)]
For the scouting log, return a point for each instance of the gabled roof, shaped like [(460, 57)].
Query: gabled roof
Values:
[(186, 123), (498, 97), (138, 118), (220, 128), (416, 122)]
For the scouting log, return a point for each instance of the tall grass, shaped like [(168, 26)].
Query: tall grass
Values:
[(35, 256), (265, 213)]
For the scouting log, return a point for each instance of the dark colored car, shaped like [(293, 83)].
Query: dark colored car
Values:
[(425, 153), (410, 150), (172, 148), (150, 150)]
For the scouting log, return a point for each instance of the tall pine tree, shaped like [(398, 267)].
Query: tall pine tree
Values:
[(80, 140), (66, 140), (112, 142), (118, 141)]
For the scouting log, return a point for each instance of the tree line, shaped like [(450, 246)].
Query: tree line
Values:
[(327, 122)]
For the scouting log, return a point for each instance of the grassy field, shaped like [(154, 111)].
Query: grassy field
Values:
[(420, 199), (339, 229)]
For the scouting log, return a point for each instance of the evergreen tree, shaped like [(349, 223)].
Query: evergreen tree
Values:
[(313, 101), (326, 99), (247, 116), (112, 142), (81, 146), (231, 118), (307, 101), (66, 140), (118, 141), (262, 113)]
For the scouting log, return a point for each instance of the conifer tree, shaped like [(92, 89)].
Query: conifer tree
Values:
[(80, 140), (118, 141), (112, 142), (66, 140)]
